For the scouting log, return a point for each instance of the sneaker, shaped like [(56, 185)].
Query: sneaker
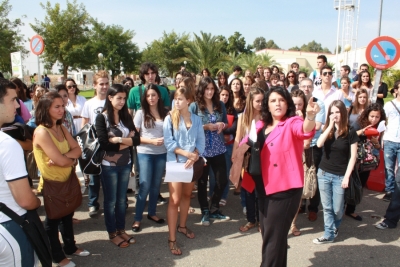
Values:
[(382, 226), (336, 233), (205, 218), (161, 200), (321, 240), (245, 211), (387, 197), (93, 211), (219, 216)]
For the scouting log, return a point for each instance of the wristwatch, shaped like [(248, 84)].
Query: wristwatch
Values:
[(120, 140)]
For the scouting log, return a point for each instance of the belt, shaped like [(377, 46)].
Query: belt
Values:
[(77, 117)]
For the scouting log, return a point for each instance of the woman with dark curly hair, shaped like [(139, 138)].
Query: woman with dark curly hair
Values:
[(369, 118), (213, 116), (280, 134)]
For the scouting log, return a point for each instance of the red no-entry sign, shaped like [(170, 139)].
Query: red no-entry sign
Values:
[(37, 45), (383, 52)]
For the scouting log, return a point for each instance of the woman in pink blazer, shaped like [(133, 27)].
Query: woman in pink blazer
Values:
[(281, 184)]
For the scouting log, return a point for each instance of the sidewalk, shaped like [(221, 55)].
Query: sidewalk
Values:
[(221, 244)]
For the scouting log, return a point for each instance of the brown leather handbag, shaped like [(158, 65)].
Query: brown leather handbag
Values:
[(61, 198)]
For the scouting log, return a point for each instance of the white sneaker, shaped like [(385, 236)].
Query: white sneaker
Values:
[(245, 211)]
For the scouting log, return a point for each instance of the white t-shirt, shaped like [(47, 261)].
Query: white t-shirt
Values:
[(12, 167), (91, 108), (231, 77), (151, 133), (392, 132), (77, 110), (333, 94)]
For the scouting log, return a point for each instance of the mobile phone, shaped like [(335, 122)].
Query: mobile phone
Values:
[(314, 99)]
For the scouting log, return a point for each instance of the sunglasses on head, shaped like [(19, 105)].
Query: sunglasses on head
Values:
[(327, 73), (71, 86)]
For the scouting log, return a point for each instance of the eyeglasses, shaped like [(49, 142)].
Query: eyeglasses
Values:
[(71, 86), (290, 76), (306, 86), (327, 73)]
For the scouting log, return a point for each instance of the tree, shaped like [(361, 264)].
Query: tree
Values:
[(11, 39), (313, 46), (295, 48), (224, 45), (259, 43), (119, 52), (271, 44), (340, 50), (204, 51), (167, 52), (266, 60), (65, 33), (237, 44)]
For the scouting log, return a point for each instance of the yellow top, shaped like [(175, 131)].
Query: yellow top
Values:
[(53, 173)]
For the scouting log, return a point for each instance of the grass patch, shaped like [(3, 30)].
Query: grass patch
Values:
[(87, 94)]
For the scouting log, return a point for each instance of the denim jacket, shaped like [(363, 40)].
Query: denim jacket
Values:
[(182, 138)]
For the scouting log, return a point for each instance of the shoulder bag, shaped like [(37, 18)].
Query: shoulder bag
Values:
[(310, 176), (354, 191), (34, 230)]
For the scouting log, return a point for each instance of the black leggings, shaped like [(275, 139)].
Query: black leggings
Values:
[(218, 165)]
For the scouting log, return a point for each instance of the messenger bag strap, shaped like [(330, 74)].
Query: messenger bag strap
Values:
[(395, 107), (10, 213)]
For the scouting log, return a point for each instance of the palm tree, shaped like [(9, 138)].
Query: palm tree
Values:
[(204, 51), (266, 60), (231, 60), (249, 62)]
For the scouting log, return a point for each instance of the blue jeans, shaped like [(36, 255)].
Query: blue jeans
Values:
[(94, 190), (332, 199), (392, 215), (228, 156), (115, 181), (391, 153), (152, 167)]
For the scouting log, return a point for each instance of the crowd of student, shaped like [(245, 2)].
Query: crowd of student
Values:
[(207, 126)]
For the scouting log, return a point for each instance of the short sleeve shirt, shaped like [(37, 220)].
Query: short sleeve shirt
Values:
[(336, 153), (91, 108), (135, 97), (12, 167)]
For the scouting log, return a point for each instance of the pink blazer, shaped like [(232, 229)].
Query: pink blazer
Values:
[(281, 156)]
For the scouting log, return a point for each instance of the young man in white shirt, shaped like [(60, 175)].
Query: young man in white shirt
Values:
[(391, 147), (236, 72), (90, 110), (326, 91), (315, 75), (15, 192)]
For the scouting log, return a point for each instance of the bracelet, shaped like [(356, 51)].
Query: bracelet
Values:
[(313, 119)]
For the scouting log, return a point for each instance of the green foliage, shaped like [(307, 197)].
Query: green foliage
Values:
[(116, 45), (305, 69), (10, 38), (311, 47), (247, 62), (272, 45), (259, 43), (390, 76), (295, 48), (237, 44), (331, 64), (204, 51), (66, 36), (167, 52), (340, 49)]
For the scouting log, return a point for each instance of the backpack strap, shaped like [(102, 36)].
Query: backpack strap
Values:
[(395, 107)]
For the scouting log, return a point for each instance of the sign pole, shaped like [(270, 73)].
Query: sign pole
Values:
[(38, 65), (378, 76)]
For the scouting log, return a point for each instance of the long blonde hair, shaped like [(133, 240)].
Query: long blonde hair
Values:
[(248, 113), (175, 113)]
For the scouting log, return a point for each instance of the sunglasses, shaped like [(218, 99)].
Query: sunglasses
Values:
[(327, 73), (71, 86), (290, 76)]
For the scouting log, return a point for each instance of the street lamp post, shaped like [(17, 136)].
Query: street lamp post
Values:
[(100, 56)]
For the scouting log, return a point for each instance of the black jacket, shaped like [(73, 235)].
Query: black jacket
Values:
[(102, 134)]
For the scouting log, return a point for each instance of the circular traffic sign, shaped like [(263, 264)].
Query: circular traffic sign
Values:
[(383, 52), (37, 45)]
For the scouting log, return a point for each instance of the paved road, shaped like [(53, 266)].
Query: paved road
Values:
[(221, 244)]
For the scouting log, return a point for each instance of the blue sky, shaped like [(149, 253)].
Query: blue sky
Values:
[(287, 22)]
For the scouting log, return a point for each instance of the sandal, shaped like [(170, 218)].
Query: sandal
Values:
[(122, 244), (294, 230), (188, 233), (126, 237), (192, 210), (222, 202), (174, 248), (247, 227)]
